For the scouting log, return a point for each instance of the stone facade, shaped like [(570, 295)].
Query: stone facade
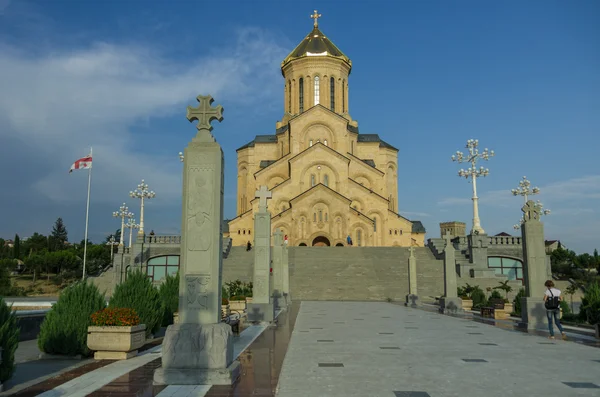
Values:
[(328, 180)]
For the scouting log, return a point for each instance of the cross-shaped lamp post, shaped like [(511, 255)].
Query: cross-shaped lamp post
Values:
[(181, 156), (111, 243), (142, 192), (131, 225), (472, 156), (122, 213)]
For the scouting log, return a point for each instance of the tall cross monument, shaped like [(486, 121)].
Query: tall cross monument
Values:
[(262, 308), (199, 349)]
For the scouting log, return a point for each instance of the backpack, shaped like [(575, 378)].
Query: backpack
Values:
[(553, 302)]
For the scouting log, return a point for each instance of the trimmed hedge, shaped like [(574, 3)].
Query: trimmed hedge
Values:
[(169, 295), (138, 293), (9, 340), (64, 331)]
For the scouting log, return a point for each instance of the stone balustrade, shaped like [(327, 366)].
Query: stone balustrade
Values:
[(505, 240), (148, 239)]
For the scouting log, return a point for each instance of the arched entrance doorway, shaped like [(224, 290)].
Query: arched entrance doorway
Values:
[(302, 245), (321, 241), (339, 245)]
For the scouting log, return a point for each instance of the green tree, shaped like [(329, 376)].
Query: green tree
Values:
[(59, 235), (17, 247), (504, 287), (37, 243), (572, 290)]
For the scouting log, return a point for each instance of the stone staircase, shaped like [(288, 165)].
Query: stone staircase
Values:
[(361, 273), (238, 264), (105, 282)]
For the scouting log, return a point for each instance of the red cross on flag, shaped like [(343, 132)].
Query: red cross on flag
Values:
[(84, 163)]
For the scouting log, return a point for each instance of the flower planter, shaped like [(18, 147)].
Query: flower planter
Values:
[(116, 343), (508, 308), (467, 304), (249, 300), (225, 310), (237, 305)]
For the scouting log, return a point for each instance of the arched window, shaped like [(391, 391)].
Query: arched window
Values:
[(374, 224), (301, 94), (314, 216), (396, 232), (332, 93), (312, 180), (159, 267), (248, 231), (390, 232), (326, 180), (239, 231), (317, 96), (320, 216), (310, 143), (343, 96), (289, 97), (325, 142), (326, 218), (359, 237), (244, 231), (511, 268)]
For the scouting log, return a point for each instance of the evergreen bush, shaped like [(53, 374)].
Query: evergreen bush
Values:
[(517, 301), (64, 331), (169, 296), (138, 293), (565, 307), (496, 295), (9, 340), (478, 297), (590, 304)]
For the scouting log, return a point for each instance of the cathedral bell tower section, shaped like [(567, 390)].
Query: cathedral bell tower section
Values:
[(316, 73)]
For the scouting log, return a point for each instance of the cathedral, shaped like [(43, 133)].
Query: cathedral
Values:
[(330, 184)]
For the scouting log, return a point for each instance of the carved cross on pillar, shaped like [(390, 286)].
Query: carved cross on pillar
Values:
[(412, 251), (204, 113), (263, 194), (531, 211)]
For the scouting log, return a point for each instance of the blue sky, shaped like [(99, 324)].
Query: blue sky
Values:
[(522, 77)]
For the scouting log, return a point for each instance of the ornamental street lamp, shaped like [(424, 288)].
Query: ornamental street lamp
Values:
[(471, 157), (181, 156), (131, 225), (142, 192), (541, 210), (111, 243), (525, 189), (122, 213)]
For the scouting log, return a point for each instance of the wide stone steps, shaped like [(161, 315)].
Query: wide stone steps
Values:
[(347, 273)]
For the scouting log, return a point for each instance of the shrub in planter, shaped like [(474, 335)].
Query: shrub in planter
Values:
[(138, 293), (496, 295), (169, 296), (64, 331), (224, 301), (564, 306), (517, 301), (115, 317), (9, 341), (478, 297), (590, 304)]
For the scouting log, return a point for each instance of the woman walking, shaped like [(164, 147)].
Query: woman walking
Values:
[(552, 301)]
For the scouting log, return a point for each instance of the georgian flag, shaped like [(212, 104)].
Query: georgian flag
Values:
[(84, 163)]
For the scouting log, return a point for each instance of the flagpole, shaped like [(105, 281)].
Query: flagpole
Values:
[(87, 213)]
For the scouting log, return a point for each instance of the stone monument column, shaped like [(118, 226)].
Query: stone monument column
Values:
[(277, 257), (285, 271), (450, 302), (262, 309), (199, 349), (412, 299), (533, 311)]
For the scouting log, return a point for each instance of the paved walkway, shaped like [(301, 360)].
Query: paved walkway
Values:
[(378, 349)]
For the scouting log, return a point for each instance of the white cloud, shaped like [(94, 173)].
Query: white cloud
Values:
[(58, 104), (581, 188)]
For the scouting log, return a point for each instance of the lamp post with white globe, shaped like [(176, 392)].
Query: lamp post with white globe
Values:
[(131, 225), (472, 156), (142, 192), (525, 189), (122, 213), (181, 157)]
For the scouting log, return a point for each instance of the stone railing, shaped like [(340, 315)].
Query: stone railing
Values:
[(505, 240), (148, 239)]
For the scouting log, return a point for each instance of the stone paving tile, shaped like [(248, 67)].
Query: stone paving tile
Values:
[(518, 366)]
